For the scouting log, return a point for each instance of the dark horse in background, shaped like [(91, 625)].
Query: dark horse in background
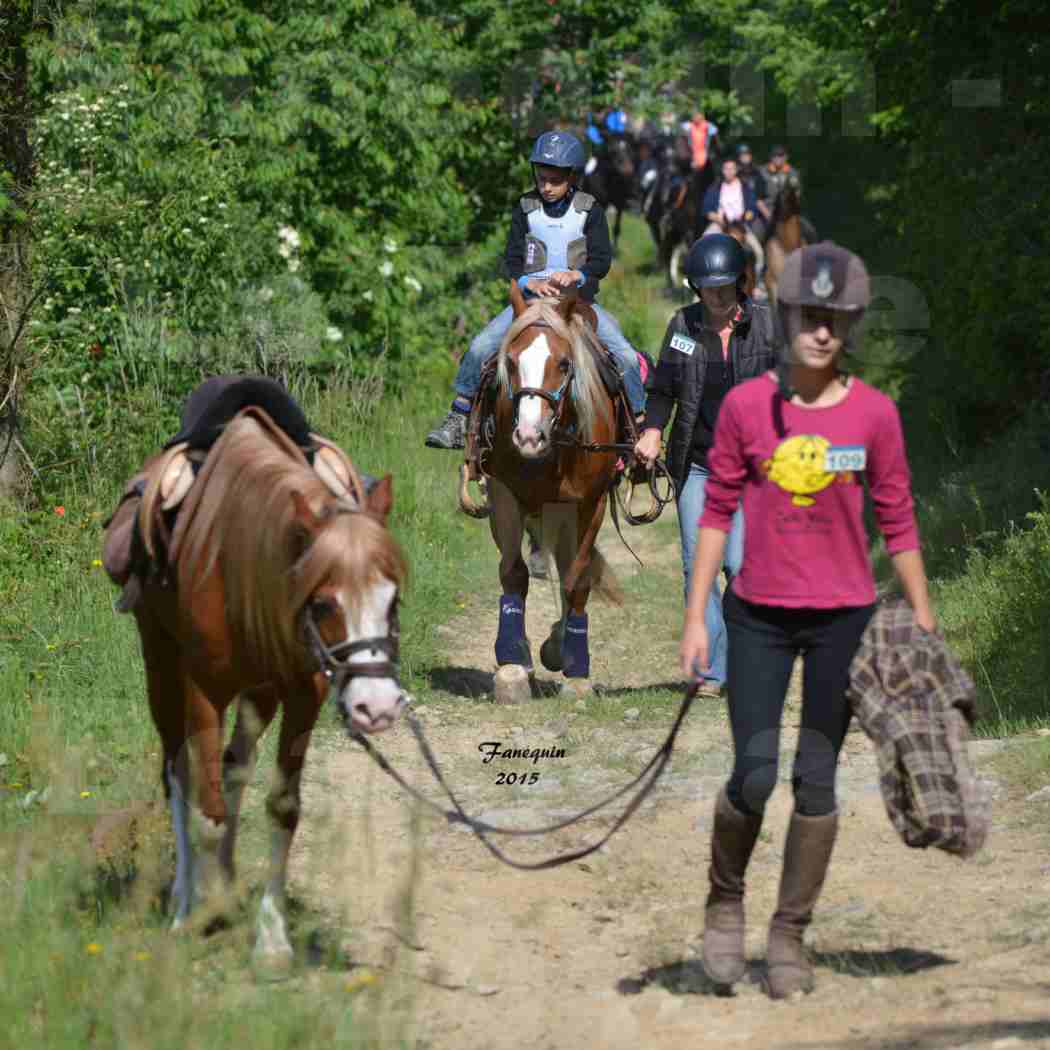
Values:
[(789, 233), (609, 176)]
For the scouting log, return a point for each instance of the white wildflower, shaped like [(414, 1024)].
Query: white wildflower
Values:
[(266, 294), (221, 205), (186, 229), (289, 235), (333, 334), (390, 244), (293, 265), (73, 310), (367, 296), (386, 267), (413, 284), (122, 104), (285, 251), (202, 220)]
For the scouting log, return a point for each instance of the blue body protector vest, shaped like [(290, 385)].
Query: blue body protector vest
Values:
[(554, 244)]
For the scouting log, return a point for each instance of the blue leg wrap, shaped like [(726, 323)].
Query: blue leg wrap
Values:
[(575, 653), (511, 646)]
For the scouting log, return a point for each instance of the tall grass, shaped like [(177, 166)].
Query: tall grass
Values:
[(77, 742)]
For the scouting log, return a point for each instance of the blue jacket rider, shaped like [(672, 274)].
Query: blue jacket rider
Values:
[(558, 239)]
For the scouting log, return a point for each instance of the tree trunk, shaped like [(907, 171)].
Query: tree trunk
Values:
[(18, 21)]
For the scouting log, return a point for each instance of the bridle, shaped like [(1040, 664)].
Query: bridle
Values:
[(555, 398), (334, 661)]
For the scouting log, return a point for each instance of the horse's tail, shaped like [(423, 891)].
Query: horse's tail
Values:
[(604, 582)]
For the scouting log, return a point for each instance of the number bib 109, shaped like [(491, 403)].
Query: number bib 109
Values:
[(845, 457)]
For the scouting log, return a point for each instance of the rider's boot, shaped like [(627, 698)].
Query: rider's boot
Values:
[(807, 853), (732, 843), (451, 432)]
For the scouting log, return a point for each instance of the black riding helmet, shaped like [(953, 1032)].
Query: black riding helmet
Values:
[(714, 259)]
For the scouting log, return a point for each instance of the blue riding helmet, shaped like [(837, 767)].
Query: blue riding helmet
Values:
[(559, 149)]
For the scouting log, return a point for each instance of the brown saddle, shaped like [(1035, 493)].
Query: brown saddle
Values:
[(146, 532)]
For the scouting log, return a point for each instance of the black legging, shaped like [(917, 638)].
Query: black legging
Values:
[(763, 643)]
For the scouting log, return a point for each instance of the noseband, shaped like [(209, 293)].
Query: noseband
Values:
[(553, 398), (334, 660)]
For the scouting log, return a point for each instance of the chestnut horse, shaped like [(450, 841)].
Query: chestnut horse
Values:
[(787, 233), (281, 590), (549, 400)]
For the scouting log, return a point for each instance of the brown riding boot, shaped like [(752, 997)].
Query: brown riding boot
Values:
[(807, 852), (732, 843)]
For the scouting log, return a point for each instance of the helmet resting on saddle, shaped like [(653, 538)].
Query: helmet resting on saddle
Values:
[(559, 149), (714, 260)]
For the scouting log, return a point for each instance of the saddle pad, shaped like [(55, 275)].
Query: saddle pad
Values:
[(217, 400)]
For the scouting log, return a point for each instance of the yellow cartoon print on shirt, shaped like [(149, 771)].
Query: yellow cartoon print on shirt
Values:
[(798, 466)]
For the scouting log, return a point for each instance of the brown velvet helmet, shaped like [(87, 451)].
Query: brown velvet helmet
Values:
[(825, 275)]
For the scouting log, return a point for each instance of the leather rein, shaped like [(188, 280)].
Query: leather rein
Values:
[(647, 778)]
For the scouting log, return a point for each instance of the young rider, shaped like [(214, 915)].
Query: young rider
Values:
[(709, 347), (798, 445), (752, 177), (775, 174), (558, 240)]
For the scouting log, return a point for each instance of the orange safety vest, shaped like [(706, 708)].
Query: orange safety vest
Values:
[(698, 140)]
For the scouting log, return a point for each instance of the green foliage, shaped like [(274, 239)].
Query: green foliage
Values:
[(998, 617), (957, 94)]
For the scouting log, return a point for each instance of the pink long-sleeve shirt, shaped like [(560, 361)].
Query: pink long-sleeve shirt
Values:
[(805, 545)]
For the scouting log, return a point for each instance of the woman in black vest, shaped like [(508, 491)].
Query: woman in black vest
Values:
[(710, 346)]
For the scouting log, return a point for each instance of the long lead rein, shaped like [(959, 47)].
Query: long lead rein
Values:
[(481, 829)]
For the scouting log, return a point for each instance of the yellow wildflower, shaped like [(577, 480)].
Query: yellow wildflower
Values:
[(361, 980), (85, 794), (94, 948)]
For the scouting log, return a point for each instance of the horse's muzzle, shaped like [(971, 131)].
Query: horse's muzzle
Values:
[(371, 705), (532, 442)]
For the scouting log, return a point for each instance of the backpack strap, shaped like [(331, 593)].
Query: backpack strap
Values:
[(529, 203), (583, 201)]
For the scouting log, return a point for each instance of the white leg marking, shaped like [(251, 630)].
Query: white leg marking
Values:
[(210, 882), (182, 888), (271, 933)]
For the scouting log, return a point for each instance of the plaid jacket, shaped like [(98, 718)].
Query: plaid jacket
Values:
[(916, 704)]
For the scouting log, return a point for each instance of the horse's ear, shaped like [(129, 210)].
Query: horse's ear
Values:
[(304, 513), (517, 299), (380, 498)]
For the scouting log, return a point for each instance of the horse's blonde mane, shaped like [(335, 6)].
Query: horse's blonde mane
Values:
[(588, 391), (246, 524)]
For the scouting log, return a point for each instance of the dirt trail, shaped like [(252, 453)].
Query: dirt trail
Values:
[(913, 949)]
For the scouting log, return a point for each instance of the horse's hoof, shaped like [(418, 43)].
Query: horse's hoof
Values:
[(577, 688), (272, 966), (511, 685), (550, 654)]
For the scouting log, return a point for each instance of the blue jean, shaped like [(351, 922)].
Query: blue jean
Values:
[(690, 508), (487, 342)]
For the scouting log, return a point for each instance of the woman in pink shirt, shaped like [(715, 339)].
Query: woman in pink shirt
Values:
[(797, 445)]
